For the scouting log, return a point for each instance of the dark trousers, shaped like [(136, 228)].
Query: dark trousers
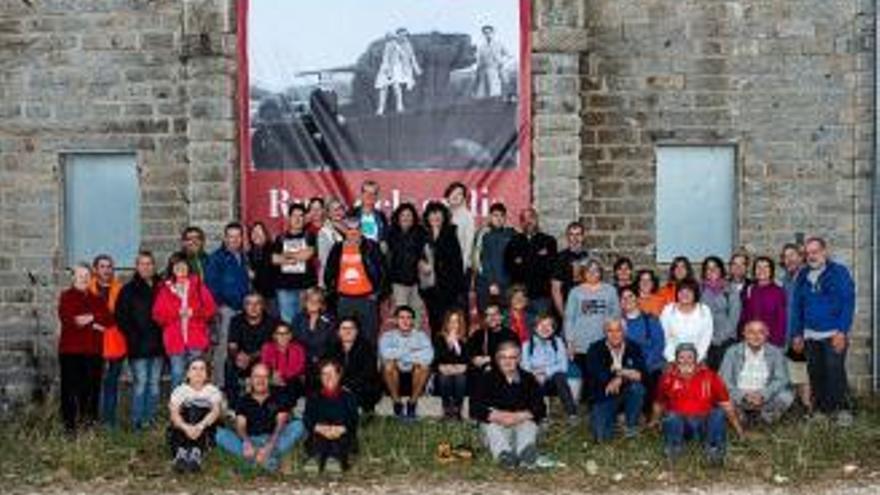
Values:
[(363, 309), (323, 449), (715, 354), (178, 439), (558, 384), (827, 370), (580, 360), (80, 388), (451, 389)]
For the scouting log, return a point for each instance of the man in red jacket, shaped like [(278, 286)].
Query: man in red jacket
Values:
[(83, 317), (695, 402)]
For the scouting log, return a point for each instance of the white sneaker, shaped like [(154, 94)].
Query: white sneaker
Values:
[(844, 419)]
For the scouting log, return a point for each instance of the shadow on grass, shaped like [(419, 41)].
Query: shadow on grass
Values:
[(36, 454)]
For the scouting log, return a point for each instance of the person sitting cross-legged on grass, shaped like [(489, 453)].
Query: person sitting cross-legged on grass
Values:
[(331, 419), (264, 431), (545, 355), (695, 402), (756, 375), (406, 354), (509, 405), (616, 368), (194, 409)]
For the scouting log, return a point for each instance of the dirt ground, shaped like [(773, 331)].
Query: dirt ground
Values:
[(856, 487)]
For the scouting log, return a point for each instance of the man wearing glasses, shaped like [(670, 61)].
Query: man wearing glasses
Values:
[(508, 404)]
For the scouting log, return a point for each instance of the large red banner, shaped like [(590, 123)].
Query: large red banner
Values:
[(412, 95)]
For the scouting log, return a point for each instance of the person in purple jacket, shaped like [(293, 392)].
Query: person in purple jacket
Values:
[(764, 300), (824, 302)]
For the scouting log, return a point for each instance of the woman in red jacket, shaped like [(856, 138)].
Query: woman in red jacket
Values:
[(83, 318), (183, 308)]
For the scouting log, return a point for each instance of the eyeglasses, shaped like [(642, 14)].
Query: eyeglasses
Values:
[(282, 333), (508, 357)]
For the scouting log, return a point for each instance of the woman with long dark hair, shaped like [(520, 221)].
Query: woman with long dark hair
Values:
[(680, 269), (725, 304), (441, 269), (406, 246), (262, 271)]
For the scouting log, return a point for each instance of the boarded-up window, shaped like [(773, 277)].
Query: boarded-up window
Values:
[(696, 207), (101, 207)]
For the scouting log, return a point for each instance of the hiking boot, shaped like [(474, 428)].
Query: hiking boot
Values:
[(181, 460), (843, 419), (507, 460), (194, 460), (529, 456)]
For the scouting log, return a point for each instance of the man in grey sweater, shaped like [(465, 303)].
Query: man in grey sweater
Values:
[(756, 373)]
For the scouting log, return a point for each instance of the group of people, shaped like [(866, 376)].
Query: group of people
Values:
[(345, 305)]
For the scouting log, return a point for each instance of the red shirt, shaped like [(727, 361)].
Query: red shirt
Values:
[(289, 362), (692, 396), (519, 326), (353, 279), (76, 339)]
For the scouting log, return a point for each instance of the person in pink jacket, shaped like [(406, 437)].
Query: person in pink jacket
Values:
[(286, 360), (183, 308)]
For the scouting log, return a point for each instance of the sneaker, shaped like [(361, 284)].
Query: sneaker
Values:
[(333, 466), (507, 460), (194, 461), (715, 457), (843, 419), (573, 421), (311, 465), (529, 456), (411, 410), (181, 461), (398, 410), (631, 432)]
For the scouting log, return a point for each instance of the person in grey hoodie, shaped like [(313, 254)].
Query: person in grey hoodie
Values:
[(725, 303), (587, 307), (756, 374)]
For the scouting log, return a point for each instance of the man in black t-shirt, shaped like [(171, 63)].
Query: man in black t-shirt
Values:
[(293, 254), (248, 331), (264, 429), (564, 274)]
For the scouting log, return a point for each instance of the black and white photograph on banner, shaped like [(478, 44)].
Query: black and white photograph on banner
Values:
[(392, 85)]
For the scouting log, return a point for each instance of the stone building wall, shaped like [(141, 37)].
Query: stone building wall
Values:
[(153, 77), (789, 82)]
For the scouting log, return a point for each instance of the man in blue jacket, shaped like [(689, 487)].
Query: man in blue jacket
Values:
[(824, 302), (226, 274)]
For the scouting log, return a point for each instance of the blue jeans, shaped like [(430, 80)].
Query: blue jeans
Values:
[(110, 391), (229, 441), (710, 429), (178, 364), (145, 389), (288, 303), (827, 370), (603, 413)]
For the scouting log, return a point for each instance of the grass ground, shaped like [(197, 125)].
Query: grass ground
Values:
[(35, 456)]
